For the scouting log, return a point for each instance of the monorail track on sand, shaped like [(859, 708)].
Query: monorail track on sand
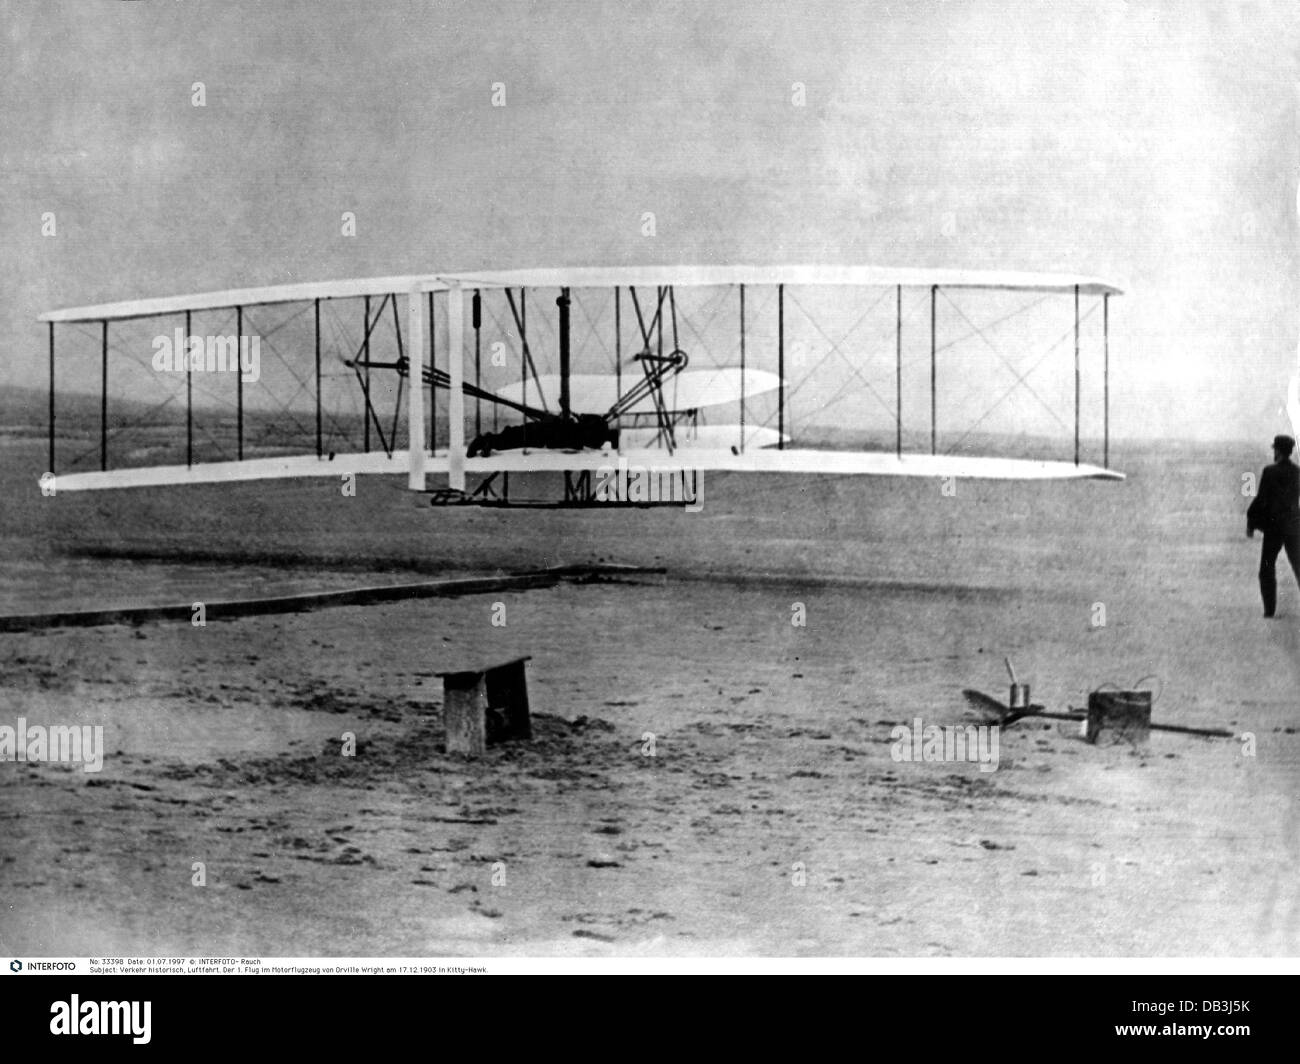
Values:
[(308, 601)]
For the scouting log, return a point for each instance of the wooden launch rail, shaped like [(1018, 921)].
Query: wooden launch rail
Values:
[(362, 596)]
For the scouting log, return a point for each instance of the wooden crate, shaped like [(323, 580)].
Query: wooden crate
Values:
[(1123, 715), (485, 706)]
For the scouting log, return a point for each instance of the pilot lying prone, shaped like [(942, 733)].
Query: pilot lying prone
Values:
[(586, 431)]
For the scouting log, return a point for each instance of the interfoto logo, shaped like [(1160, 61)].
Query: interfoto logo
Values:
[(209, 354), (947, 743), (639, 484), (102, 1017), (15, 966), (58, 742)]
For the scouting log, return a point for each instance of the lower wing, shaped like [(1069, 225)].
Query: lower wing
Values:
[(805, 462)]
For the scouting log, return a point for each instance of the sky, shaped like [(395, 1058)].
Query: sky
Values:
[(1150, 143)]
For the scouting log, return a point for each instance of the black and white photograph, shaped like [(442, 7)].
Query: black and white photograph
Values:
[(650, 483)]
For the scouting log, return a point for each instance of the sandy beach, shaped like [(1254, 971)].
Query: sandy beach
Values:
[(706, 777)]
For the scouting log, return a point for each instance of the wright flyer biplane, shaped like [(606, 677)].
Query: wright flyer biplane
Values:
[(556, 376)]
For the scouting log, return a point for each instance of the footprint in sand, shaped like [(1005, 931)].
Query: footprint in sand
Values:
[(467, 925)]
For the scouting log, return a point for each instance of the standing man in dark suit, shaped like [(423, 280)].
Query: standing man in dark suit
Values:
[(1276, 513)]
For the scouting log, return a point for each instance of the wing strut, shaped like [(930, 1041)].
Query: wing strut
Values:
[(433, 363), (51, 397), (1105, 334), (898, 370), (415, 309), (522, 323), (742, 369), (780, 367), (1076, 374), (401, 356), (103, 398), (477, 315), (320, 448), (239, 387), (189, 396), (365, 354), (934, 376), (456, 394), (563, 304)]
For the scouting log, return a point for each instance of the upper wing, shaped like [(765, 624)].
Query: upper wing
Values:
[(594, 277)]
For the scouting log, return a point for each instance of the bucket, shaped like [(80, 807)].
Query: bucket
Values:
[(1123, 714), (1019, 696)]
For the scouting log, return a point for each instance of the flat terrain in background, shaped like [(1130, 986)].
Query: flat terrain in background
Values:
[(771, 742)]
